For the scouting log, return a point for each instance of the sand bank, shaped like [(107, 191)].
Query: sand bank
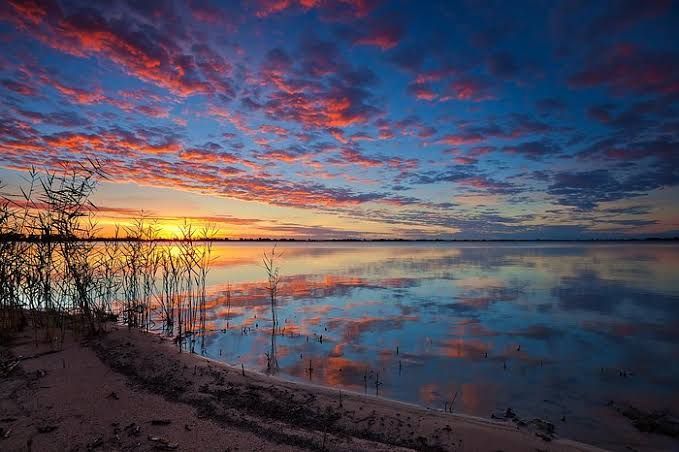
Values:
[(132, 391)]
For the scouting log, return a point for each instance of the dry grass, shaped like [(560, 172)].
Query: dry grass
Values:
[(54, 276)]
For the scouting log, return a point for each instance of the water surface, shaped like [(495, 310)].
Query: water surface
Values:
[(552, 330)]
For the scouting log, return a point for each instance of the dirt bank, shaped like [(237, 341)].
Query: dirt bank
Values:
[(133, 391)]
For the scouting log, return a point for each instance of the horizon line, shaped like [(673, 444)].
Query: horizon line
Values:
[(348, 239)]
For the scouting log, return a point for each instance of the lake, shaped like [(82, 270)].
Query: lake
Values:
[(551, 330)]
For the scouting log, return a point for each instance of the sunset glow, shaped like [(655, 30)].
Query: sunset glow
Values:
[(331, 119)]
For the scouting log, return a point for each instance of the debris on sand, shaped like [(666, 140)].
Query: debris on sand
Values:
[(46, 428), (133, 429), (542, 429), (162, 443), (659, 421), (161, 422)]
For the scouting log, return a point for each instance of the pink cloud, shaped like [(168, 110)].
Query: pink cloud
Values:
[(384, 36)]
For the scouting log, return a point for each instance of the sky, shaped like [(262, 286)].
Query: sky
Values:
[(354, 118)]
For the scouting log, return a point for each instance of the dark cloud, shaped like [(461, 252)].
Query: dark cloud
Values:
[(626, 69), (535, 150), (626, 14), (503, 65), (586, 189), (550, 105)]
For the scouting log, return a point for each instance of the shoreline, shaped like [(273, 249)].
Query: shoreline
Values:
[(332, 391), (225, 409)]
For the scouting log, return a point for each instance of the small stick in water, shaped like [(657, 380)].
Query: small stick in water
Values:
[(453, 401), (242, 368)]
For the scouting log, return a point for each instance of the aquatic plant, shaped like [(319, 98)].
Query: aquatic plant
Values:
[(270, 261), (56, 275)]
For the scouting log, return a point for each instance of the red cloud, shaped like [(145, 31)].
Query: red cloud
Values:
[(281, 156), (462, 139), (318, 89), (402, 164), (78, 95), (20, 87), (268, 7), (33, 11), (463, 160), (339, 108), (140, 50), (470, 89), (154, 111), (356, 158), (152, 160), (109, 142), (331, 9), (197, 155), (422, 91), (385, 37)]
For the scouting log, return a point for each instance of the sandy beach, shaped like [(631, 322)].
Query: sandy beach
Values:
[(128, 390)]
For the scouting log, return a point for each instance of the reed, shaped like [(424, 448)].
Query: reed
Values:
[(270, 261), (54, 275), (49, 272)]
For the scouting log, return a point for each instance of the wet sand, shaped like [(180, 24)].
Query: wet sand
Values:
[(128, 390)]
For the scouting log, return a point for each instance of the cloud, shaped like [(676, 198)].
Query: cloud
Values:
[(137, 47), (66, 119), (662, 150), (354, 157), (382, 33), (276, 102), (502, 65), (25, 89), (488, 185), (600, 113), (586, 189), (336, 97), (162, 161), (461, 139), (209, 154), (627, 69), (329, 9), (550, 105), (422, 91), (470, 88), (626, 14), (535, 150)]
